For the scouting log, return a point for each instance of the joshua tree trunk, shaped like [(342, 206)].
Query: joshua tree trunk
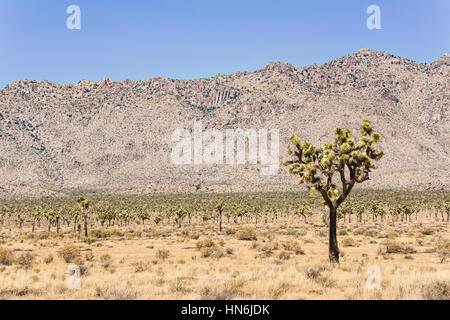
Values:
[(57, 226), (333, 249), (85, 226), (220, 222)]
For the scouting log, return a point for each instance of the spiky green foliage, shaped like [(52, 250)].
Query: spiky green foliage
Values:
[(352, 161), (177, 213)]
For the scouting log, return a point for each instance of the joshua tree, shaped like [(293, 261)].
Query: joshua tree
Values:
[(75, 214), (178, 214), (220, 206), (37, 215), (143, 215), (157, 220), (303, 211), (84, 207), (350, 161)]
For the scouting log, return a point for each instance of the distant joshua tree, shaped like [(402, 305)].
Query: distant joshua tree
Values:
[(348, 160), (84, 207), (220, 206)]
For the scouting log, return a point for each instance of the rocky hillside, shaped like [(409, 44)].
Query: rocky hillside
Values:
[(117, 136)]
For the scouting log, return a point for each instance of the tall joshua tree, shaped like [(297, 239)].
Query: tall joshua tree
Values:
[(84, 207), (220, 206), (342, 162)]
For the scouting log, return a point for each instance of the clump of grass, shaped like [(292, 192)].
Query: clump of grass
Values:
[(359, 231), (349, 242), (314, 272), (208, 293), (284, 255), (271, 246), (69, 252), (25, 260), (162, 254), (106, 260), (293, 246), (391, 234), (89, 256), (140, 266), (6, 256), (246, 233), (437, 290)]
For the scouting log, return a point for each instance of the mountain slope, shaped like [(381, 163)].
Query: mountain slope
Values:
[(116, 136)]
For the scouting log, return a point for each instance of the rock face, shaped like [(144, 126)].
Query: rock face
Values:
[(117, 136)]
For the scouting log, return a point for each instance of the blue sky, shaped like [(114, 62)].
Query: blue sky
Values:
[(188, 39)]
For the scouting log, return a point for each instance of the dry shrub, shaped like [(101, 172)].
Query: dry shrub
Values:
[(349, 242), (41, 235), (271, 246), (205, 243), (427, 231), (89, 256), (437, 290), (6, 256), (276, 291), (69, 252), (371, 233), (391, 234), (229, 250), (315, 272), (162, 254), (208, 293), (284, 255), (214, 252), (445, 244), (230, 232), (246, 233), (293, 246), (443, 255), (106, 260), (118, 293), (48, 259), (25, 260), (359, 231), (140, 266), (397, 247), (78, 261), (206, 252)]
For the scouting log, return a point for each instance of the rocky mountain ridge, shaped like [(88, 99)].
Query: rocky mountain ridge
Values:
[(117, 136)]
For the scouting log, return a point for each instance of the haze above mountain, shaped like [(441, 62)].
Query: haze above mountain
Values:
[(117, 136)]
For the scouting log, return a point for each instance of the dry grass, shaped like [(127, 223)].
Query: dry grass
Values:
[(275, 264)]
